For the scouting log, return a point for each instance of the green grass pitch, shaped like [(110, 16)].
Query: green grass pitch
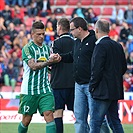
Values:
[(40, 128)]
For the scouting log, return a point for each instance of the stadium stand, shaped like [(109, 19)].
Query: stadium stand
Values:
[(131, 1), (52, 2), (110, 2), (98, 2), (72, 2), (123, 2), (61, 2), (86, 2), (69, 10), (107, 11), (97, 10)]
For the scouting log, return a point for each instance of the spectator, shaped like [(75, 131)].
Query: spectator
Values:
[(16, 62), (24, 3), (91, 16), (128, 15), (117, 15), (7, 46), (79, 11), (49, 33), (45, 8), (29, 37), (17, 49), (3, 30), (113, 33), (11, 31), (2, 69), (7, 15), (10, 77), (23, 28), (32, 9), (53, 20), (1, 43), (124, 48), (130, 44), (125, 32), (128, 82), (11, 2), (130, 63), (36, 18), (18, 15), (21, 39)]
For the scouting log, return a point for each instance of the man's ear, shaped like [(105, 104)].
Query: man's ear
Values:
[(60, 28), (96, 30)]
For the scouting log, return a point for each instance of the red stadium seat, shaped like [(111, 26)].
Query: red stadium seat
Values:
[(2, 5), (51, 2), (86, 2), (107, 11), (131, 1), (73, 2), (110, 2), (61, 2), (123, 2), (69, 11), (29, 22), (98, 2), (97, 10), (44, 20)]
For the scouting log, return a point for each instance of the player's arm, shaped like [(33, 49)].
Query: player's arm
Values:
[(54, 58)]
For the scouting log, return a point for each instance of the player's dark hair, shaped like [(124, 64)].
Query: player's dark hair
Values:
[(37, 25)]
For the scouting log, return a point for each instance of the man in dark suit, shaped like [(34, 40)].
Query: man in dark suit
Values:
[(106, 84)]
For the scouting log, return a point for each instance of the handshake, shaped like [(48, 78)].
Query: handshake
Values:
[(54, 58)]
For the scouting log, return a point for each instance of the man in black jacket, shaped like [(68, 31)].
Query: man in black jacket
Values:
[(108, 66), (62, 80), (81, 58)]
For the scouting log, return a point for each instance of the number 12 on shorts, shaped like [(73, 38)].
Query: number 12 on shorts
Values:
[(26, 108)]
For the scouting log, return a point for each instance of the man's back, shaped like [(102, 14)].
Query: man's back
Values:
[(111, 65), (62, 73)]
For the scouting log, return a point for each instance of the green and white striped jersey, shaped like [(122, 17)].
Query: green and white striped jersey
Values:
[(35, 82)]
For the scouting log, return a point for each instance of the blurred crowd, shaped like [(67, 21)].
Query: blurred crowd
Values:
[(14, 34)]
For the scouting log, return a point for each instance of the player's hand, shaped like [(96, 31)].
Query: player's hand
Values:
[(54, 58)]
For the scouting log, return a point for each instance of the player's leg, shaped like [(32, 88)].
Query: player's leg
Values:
[(23, 125), (46, 108), (59, 96), (58, 117), (28, 106), (50, 123)]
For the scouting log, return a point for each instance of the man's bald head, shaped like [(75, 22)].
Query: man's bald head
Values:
[(103, 26)]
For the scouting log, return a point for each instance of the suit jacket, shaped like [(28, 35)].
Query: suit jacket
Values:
[(107, 68)]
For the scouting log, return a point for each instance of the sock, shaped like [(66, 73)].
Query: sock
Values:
[(50, 127), (59, 125), (22, 128)]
